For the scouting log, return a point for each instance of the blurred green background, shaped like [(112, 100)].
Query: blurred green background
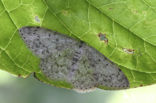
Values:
[(30, 90)]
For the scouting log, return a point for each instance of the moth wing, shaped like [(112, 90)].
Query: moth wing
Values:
[(106, 73), (42, 42), (63, 58)]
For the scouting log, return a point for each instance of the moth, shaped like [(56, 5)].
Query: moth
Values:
[(71, 60)]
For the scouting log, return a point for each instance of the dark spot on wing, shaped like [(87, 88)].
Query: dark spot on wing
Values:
[(81, 44)]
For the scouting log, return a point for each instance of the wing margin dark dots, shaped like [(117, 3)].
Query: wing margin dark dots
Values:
[(71, 60), (39, 40), (106, 72)]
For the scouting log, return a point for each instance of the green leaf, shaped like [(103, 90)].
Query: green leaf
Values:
[(128, 27)]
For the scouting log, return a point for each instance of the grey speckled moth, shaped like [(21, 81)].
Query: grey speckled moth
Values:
[(68, 59)]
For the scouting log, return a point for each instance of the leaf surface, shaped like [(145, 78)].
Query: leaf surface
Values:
[(128, 29)]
